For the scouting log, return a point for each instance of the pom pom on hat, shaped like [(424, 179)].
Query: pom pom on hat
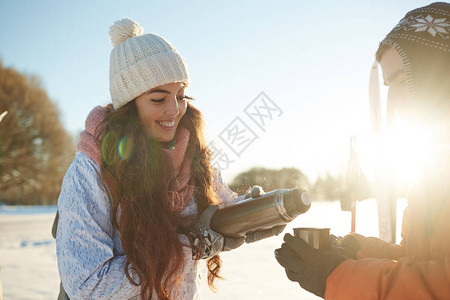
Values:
[(124, 29)]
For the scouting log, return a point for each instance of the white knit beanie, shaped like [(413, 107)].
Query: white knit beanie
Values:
[(140, 62)]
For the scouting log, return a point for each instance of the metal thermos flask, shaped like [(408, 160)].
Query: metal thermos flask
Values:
[(273, 208)]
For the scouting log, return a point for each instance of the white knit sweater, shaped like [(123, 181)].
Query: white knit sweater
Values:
[(89, 251)]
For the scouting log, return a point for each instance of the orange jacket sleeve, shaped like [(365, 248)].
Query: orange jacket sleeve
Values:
[(375, 278), (372, 247)]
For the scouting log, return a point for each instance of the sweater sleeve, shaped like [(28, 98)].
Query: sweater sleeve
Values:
[(88, 265), (373, 278), (226, 195)]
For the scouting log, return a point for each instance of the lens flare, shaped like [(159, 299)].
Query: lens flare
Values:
[(125, 147), (108, 154)]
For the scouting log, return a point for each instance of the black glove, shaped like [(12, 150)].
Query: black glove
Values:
[(347, 245), (350, 244), (307, 266), (209, 242)]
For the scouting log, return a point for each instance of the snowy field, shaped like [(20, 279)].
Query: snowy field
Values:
[(28, 266)]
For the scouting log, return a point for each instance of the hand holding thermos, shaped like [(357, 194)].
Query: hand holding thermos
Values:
[(260, 215)]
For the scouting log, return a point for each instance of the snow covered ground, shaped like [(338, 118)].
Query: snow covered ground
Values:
[(28, 267)]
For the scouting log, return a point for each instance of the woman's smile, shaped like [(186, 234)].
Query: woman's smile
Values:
[(167, 124)]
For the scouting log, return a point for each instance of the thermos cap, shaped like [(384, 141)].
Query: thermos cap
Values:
[(304, 196), (291, 203)]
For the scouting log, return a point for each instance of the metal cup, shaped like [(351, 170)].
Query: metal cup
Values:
[(318, 238)]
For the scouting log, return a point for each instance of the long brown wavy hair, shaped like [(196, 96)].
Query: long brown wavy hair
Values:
[(138, 174)]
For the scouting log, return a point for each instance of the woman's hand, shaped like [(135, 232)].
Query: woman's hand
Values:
[(263, 234), (209, 242)]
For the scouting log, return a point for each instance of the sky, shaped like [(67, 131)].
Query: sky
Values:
[(280, 83)]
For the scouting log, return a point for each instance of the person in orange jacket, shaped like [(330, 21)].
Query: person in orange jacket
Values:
[(415, 60)]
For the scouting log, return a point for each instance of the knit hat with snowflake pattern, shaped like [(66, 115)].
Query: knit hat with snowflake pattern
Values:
[(140, 62), (422, 39)]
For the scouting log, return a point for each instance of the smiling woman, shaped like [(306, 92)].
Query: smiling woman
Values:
[(136, 203), (126, 169)]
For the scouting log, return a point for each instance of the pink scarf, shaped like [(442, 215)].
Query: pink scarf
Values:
[(180, 189)]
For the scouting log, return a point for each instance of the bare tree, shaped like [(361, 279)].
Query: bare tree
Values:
[(35, 149)]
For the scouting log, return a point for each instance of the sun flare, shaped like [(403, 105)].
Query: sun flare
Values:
[(401, 154), (407, 152)]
